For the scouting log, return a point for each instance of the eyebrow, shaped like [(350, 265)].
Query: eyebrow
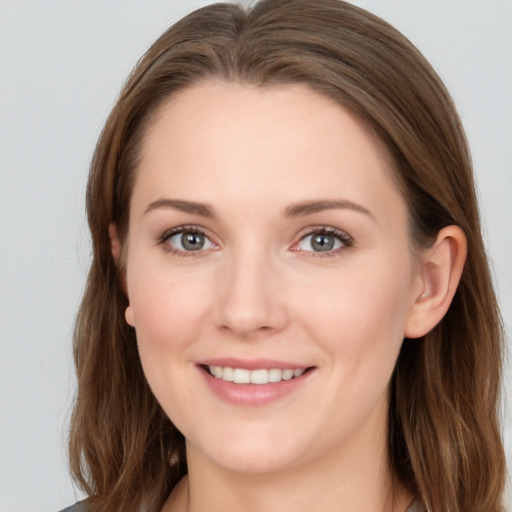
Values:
[(310, 207), (295, 210), (192, 207)]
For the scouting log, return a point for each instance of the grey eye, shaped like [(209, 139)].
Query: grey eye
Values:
[(320, 242), (189, 241), (192, 241)]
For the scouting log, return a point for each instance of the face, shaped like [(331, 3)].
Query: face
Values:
[(269, 274)]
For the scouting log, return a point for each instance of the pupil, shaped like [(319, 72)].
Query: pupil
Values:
[(322, 243), (192, 241)]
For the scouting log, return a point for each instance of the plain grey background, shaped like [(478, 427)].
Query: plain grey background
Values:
[(62, 64)]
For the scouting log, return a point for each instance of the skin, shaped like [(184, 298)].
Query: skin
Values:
[(258, 289)]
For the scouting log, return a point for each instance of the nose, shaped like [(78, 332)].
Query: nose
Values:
[(251, 300)]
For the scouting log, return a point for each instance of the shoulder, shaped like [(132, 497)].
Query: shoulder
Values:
[(417, 506), (81, 506)]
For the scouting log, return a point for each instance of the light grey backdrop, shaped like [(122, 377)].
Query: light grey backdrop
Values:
[(61, 66)]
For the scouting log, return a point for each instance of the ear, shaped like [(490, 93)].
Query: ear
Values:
[(115, 249), (115, 243), (439, 273)]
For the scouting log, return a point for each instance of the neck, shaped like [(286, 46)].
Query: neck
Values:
[(360, 480)]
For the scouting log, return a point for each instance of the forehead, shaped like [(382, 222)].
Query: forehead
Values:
[(253, 111), (218, 140)]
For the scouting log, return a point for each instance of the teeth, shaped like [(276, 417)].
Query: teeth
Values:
[(227, 374), (240, 376), (275, 375), (259, 377), (287, 374), (263, 376)]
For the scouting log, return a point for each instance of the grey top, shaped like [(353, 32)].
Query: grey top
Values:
[(417, 506), (81, 506)]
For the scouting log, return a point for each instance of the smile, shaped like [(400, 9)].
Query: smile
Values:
[(256, 382), (258, 376)]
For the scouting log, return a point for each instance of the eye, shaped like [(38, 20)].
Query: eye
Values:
[(186, 239), (325, 240)]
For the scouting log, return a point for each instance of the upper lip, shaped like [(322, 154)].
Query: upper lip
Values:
[(252, 364)]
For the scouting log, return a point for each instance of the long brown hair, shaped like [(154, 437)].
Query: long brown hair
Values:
[(444, 441)]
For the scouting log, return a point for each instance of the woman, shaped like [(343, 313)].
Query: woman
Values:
[(289, 303)]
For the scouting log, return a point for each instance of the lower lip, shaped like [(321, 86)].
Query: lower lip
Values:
[(253, 394)]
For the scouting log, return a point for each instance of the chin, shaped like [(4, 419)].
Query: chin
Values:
[(251, 453)]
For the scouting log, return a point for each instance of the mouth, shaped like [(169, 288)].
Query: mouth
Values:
[(254, 382), (260, 376)]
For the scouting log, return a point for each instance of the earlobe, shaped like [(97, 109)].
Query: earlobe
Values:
[(439, 275), (128, 315)]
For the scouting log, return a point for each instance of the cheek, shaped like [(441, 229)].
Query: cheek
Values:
[(359, 315), (169, 312), (168, 307)]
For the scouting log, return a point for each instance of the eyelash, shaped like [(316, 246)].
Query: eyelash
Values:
[(167, 235), (346, 241)]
